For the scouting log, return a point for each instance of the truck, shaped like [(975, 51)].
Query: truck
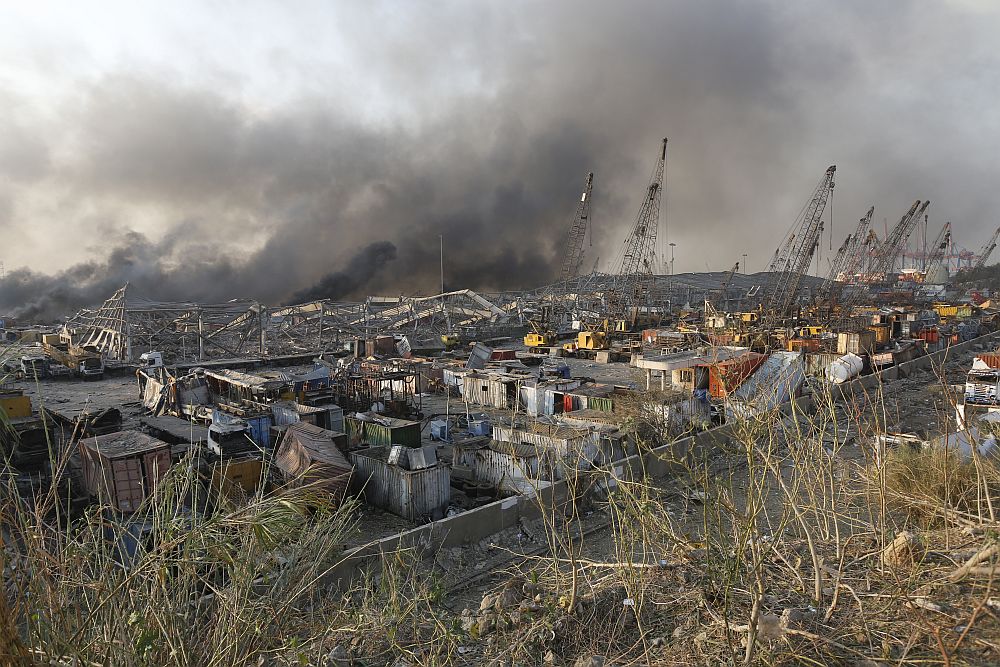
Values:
[(87, 363), (34, 366)]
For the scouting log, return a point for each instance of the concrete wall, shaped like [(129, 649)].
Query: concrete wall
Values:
[(668, 459)]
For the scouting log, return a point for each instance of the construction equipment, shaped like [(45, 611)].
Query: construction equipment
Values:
[(577, 233), (862, 241), (542, 334), (849, 257), (633, 281), (85, 363), (938, 248), (794, 255), (987, 250), (539, 337), (883, 259), (890, 249)]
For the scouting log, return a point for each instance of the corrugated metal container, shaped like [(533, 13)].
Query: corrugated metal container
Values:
[(929, 335), (309, 454), (237, 477), (599, 403), (803, 344), (284, 413), (259, 427), (509, 467), (571, 448), (334, 419), (379, 430), (411, 494), (122, 469), (490, 391), (882, 334), (991, 359), (15, 405), (856, 342)]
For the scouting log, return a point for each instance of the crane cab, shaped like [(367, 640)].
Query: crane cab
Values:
[(539, 339)]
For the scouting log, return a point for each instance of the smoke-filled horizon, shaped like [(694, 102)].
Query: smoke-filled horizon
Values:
[(206, 153)]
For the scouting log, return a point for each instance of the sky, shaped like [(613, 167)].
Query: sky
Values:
[(204, 151)]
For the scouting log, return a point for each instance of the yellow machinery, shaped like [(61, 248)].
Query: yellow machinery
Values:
[(590, 340), (539, 336), (450, 341), (809, 332)]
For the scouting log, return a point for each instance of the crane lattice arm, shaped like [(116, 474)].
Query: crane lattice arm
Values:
[(892, 246), (577, 233), (793, 257), (939, 247), (987, 250), (856, 253), (635, 273)]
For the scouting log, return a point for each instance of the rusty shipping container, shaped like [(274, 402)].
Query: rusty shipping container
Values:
[(122, 469), (411, 494), (727, 375)]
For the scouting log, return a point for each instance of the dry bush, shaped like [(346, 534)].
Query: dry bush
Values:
[(927, 483)]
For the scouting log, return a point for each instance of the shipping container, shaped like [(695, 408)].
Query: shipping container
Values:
[(411, 494), (238, 477), (14, 404), (122, 469), (725, 376), (376, 429), (856, 342), (510, 467)]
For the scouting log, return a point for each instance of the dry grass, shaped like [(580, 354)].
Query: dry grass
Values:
[(768, 550)]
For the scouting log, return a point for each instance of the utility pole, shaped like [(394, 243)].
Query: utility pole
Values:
[(672, 246), (744, 263)]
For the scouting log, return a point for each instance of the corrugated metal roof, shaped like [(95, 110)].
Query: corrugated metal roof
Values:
[(517, 450), (123, 444)]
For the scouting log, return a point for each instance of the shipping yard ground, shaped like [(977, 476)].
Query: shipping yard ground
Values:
[(921, 403)]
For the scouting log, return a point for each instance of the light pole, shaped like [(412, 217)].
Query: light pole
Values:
[(672, 246), (744, 263)]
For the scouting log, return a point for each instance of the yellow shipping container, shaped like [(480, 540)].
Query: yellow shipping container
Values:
[(239, 476), (15, 405), (881, 334)]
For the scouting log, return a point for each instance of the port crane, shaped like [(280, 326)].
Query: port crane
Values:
[(632, 283), (892, 246), (939, 247), (793, 257), (577, 233), (987, 250), (541, 334)]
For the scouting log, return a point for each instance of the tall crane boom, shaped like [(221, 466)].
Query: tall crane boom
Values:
[(577, 233), (987, 250), (939, 247), (860, 241), (635, 272), (892, 246), (793, 257)]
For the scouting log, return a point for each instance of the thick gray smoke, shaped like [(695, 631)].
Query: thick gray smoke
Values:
[(360, 270), (491, 118)]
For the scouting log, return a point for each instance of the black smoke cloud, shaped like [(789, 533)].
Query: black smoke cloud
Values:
[(360, 270), (191, 193)]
